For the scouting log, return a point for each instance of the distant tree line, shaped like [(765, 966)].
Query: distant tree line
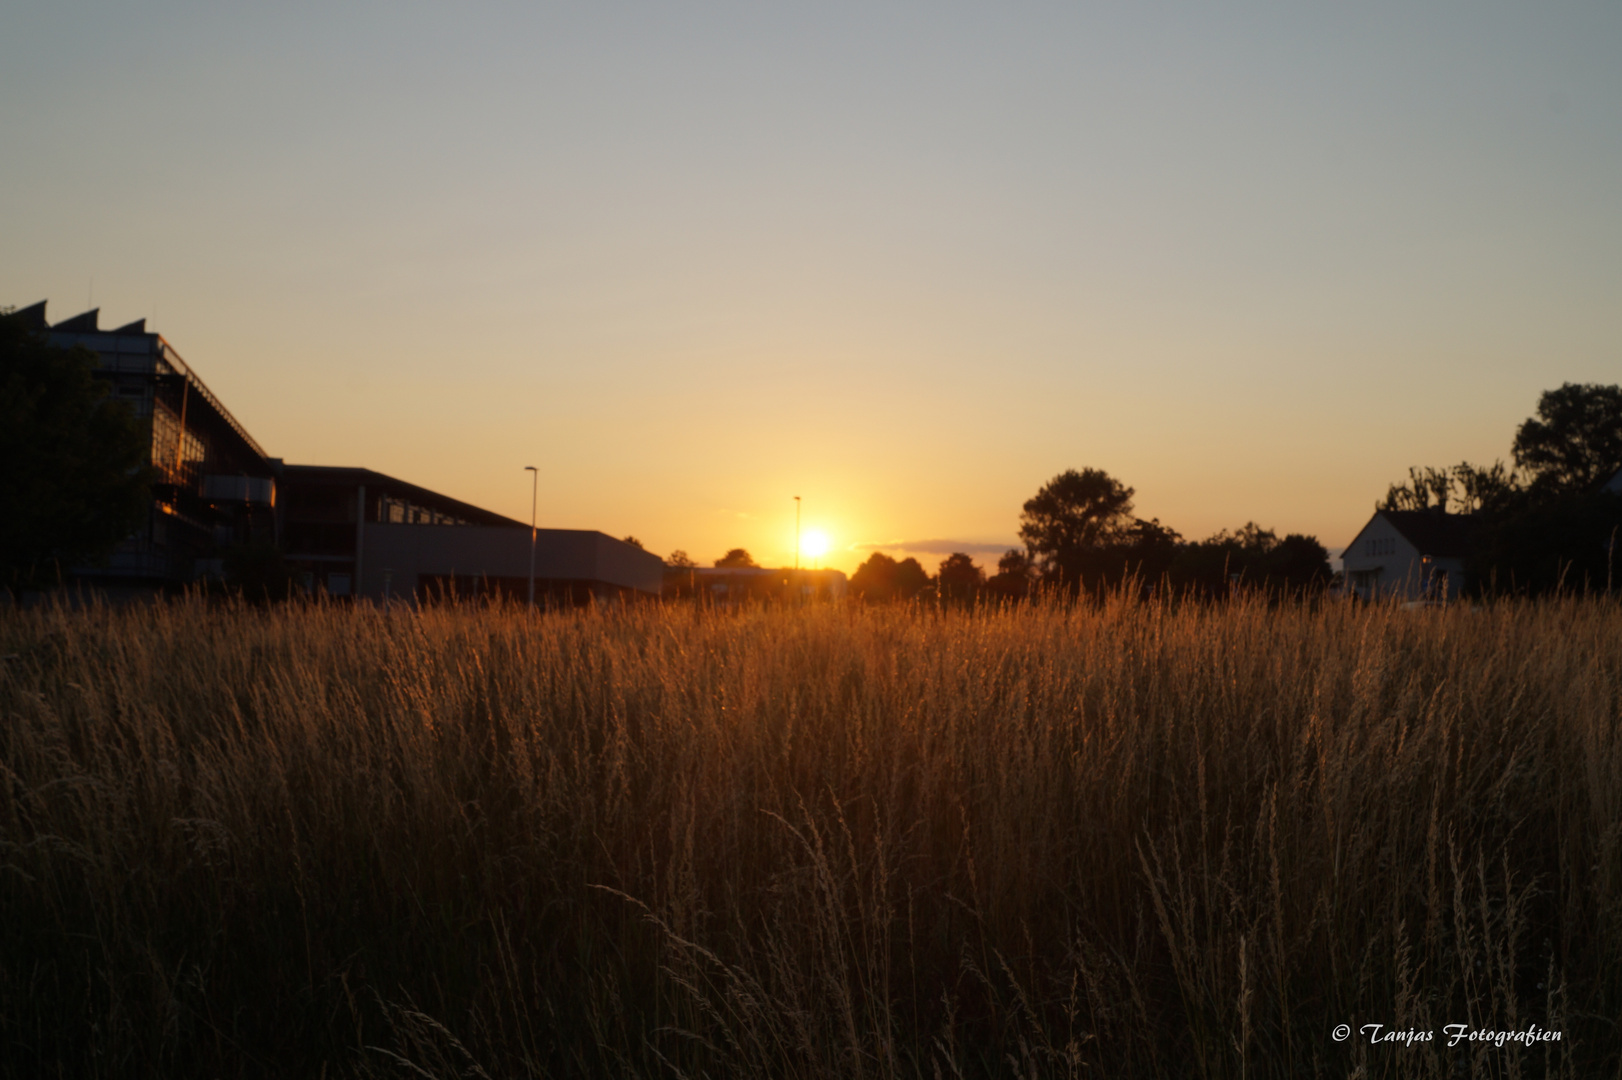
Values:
[(1548, 522), (1081, 537)]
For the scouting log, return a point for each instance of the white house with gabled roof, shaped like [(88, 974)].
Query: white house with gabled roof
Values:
[(1408, 555)]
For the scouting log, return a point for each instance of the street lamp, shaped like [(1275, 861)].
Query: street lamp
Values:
[(534, 490), (796, 532)]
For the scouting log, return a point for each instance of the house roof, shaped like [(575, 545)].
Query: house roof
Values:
[(1430, 531), (1433, 532)]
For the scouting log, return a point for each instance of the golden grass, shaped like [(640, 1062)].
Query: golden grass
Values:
[(1128, 840)]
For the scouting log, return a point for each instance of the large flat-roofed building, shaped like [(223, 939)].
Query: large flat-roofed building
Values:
[(351, 531), (214, 486), (347, 532)]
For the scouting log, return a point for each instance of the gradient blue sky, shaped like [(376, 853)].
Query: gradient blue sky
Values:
[(907, 261)]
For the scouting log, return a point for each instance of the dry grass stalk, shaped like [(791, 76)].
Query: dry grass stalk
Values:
[(1133, 839)]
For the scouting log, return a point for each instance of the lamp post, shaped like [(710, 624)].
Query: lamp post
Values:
[(534, 490), (796, 533)]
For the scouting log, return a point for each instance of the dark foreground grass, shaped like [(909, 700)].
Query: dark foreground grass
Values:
[(1134, 840)]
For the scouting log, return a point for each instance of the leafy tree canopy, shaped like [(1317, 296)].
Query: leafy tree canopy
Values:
[(1575, 441), (1463, 489), (1075, 511), (1573, 444), (73, 461), (883, 578), (1566, 543), (1015, 572), (1252, 557), (959, 578), (1544, 525), (681, 560), (1081, 530), (736, 559)]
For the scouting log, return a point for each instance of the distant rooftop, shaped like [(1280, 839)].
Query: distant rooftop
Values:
[(352, 476), (118, 341), (87, 322), (1433, 532)]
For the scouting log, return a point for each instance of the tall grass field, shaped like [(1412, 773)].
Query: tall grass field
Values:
[(1132, 839)]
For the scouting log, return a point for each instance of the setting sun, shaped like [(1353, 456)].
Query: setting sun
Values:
[(813, 544)]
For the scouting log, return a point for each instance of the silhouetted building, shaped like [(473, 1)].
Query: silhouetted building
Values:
[(346, 531), (215, 487), (1409, 554), (357, 532)]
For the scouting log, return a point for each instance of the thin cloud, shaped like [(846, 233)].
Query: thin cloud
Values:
[(936, 547)]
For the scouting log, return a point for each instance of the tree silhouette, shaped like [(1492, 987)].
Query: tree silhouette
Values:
[(1463, 489), (1570, 542), (1015, 572), (680, 560), (882, 578), (1146, 550), (1251, 558), (1544, 525), (1485, 490), (736, 559), (959, 578), (1299, 562), (1575, 441), (1425, 488), (74, 463), (1081, 530), (1075, 511)]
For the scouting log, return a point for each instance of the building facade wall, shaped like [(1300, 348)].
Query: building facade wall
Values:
[(343, 531), (406, 561), (213, 486), (1381, 563)]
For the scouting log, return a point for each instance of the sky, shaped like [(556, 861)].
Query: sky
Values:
[(905, 261)]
